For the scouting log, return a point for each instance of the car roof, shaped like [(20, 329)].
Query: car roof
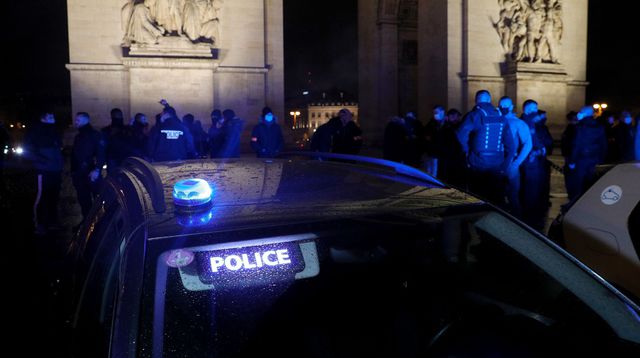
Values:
[(252, 192)]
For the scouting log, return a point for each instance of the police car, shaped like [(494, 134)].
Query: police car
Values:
[(602, 228), (340, 257)]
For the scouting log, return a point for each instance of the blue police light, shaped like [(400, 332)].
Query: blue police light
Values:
[(192, 193)]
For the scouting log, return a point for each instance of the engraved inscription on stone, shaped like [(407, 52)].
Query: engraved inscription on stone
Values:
[(149, 22), (530, 30)]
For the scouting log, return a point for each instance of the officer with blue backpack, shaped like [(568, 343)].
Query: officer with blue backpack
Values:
[(486, 140)]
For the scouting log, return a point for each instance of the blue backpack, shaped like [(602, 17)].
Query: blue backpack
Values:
[(487, 146)]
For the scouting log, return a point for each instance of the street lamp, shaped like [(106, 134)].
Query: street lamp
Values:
[(295, 115), (600, 107)]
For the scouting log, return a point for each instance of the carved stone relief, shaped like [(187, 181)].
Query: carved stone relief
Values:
[(147, 22), (530, 30)]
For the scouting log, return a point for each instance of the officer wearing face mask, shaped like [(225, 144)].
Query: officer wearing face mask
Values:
[(589, 149), (266, 137)]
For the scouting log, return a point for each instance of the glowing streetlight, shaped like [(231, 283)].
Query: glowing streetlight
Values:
[(295, 115), (599, 107)]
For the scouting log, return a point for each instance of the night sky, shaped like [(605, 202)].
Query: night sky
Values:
[(320, 39)]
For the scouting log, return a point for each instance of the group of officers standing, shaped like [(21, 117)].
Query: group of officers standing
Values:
[(498, 155), (169, 139), (490, 150)]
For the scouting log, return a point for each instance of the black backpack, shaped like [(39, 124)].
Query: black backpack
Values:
[(487, 146)]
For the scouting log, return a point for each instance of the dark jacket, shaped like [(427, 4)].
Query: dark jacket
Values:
[(416, 141), (119, 143), (625, 139), (541, 141), (43, 146), (216, 141), (434, 144), (451, 163), (472, 124), (170, 140), (568, 137), (396, 140), (267, 140), (347, 139), (139, 140), (590, 143), (322, 138), (231, 132), (200, 137), (89, 150)]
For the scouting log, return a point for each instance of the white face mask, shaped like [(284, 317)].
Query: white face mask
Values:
[(579, 116), (268, 117), (627, 120)]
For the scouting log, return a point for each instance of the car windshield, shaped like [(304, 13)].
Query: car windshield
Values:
[(422, 282)]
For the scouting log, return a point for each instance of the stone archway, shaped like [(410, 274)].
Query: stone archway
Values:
[(388, 61)]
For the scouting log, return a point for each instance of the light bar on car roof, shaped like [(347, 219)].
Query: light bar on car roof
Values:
[(192, 193)]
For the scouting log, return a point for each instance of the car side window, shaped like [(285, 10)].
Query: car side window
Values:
[(634, 227), (96, 305), (552, 266)]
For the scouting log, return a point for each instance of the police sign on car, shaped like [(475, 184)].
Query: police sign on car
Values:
[(250, 261)]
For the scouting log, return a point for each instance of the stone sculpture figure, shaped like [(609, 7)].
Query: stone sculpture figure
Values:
[(142, 28), (175, 16), (145, 21), (192, 22), (530, 30), (211, 21), (535, 14), (162, 16)]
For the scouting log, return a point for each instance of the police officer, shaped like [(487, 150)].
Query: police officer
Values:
[(522, 138), (589, 149), (266, 137), (348, 137), (87, 159), (535, 169), (118, 139), (231, 131), (489, 147), (43, 144), (170, 140), (216, 133)]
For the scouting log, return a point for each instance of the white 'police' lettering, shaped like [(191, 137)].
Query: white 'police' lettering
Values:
[(172, 134), (250, 261)]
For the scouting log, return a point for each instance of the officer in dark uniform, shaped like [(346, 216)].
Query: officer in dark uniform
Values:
[(266, 137), (87, 159), (348, 137), (534, 171), (589, 149), (43, 146), (322, 138), (170, 140), (487, 142), (118, 138)]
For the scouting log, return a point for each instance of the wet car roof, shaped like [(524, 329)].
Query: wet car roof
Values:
[(254, 192)]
